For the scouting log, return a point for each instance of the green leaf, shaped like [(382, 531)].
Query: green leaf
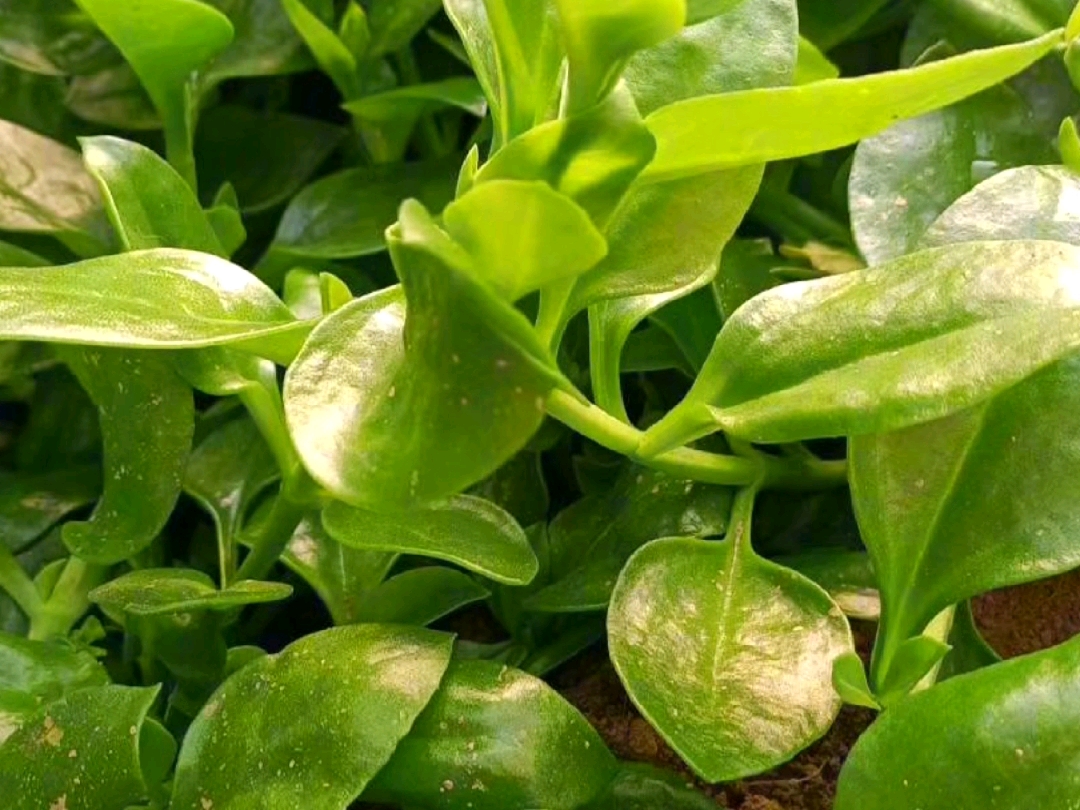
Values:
[(36, 673), (912, 661), (600, 533), (147, 420), (517, 53), (554, 238), (32, 504), (592, 158), (728, 655), (912, 340), (368, 683), (905, 177), (394, 23), (600, 38), (412, 101), (160, 591), (329, 220), (420, 596), (58, 197), (149, 204), (813, 65), (642, 787), (969, 652), (50, 38), (914, 490), (113, 98), (265, 42), (79, 753), (166, 57), (331, 54), (494, 738), (849, 680), (666, 238), (518, 486), (829, 22), (225, 473), (467, 389), (1004, 20), (755, 126), (267, 156), (1001, 737), (182, 299), (471, 532), (1031, 202), (931, 549), (848, 576), (341, 576)]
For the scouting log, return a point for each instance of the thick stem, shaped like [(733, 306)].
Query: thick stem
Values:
[(268, 546), (69, 599), (18, 584)]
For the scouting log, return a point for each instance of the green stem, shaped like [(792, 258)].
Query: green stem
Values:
[(268, 546), (18, 584), (795, 219), (604, 369), (761, 470), (550, 320), (69, 599)]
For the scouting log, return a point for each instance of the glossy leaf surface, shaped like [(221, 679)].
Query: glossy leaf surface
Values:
[(1009, 724), (729, 656), (56, 196), (372, 680), (149, 204), (469, 531), (341, 576), (492, 738), (183, 300), (555, 240), (601, 533), (909, 341), (367, 372), (780, 123), (101, 725), (420, 596), (31, 504), (156, 591), (329, 220), (147, 420)]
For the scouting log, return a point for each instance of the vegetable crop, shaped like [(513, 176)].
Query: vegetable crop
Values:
[(323, 321)]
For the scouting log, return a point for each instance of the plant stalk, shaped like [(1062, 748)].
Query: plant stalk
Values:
[(270, 544)]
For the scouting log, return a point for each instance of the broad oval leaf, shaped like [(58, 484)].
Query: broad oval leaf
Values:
[(756, 126), (420, 596), (729, 656), (916, 339), (471, 532), (330, 220), (149, 204), (147, 418), (44, 188), (81, 752), (50, 38), (905, 177), (1002, 737), (181, 299), (467, 388), (554, 240), (341, 576), (32, 504), (37, 673), (494, 738), (1030, 202), (369, 683), (600, 533), (166, 57), (931, 499), (158, 591)]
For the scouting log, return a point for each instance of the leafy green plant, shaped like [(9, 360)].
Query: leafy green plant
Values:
[(323, 321)]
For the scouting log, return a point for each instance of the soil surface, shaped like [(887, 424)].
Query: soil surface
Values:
[(1014, 621)]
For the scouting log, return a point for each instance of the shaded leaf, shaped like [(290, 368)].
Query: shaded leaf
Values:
[(158, 591)]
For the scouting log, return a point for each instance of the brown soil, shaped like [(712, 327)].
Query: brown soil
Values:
[(1014, 621)]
